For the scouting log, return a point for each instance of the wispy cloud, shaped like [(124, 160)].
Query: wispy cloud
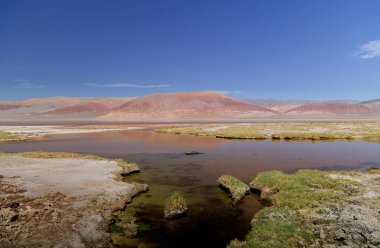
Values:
[(126, 85), (230, 92), (369, 50), (26, 84)]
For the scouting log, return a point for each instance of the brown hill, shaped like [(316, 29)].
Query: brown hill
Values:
[(322, 108), (186, 104)]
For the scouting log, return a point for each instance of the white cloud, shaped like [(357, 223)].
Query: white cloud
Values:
[(30, 86), (230, 92), (369, 50), (25, 84), (125, 85)]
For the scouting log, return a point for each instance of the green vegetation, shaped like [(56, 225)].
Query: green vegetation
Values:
[(282, 225), (51, 155), (235, 187), (175, 206), (299, 190), (276, 227), (286, 131), (7, 136)]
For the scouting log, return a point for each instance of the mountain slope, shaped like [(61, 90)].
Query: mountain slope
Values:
[(322, 108), (187, 104), (372, 103)]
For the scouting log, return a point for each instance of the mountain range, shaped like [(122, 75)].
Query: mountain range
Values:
[(177, 106)]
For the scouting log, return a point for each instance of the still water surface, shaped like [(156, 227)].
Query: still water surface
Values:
[(211, 220)]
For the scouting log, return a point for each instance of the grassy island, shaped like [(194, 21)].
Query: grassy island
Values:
[(313, 208), (234, 186), (284, 131)]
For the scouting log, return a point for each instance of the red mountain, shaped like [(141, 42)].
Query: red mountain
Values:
[(186, 104), (331, 108)]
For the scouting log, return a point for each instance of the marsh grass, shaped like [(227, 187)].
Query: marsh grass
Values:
[(299, 190), (7, 136), (282, 225), (284, 131)]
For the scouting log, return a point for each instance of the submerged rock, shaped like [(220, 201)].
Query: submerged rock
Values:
[(193, 153), (131, 229), (234, 186), (175, 206)]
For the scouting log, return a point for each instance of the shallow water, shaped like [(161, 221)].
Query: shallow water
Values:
[(211, 220)]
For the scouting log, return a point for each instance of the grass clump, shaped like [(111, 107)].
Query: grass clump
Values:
[(235, 187), (276, 227), (299, 190), (175, 206), (127, 168)]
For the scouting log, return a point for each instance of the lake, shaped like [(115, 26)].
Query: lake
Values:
[(212, 220)]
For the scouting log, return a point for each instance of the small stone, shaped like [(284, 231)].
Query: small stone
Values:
[(374, 238), (322, 234), (357, 237), (131, 230), (339, 235)]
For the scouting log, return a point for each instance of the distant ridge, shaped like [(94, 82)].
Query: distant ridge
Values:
[(375, 103), (330, 108), (177, 106)]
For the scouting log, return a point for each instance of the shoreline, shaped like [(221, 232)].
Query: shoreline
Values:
[(29, 133), (60, 199), (297, 131)]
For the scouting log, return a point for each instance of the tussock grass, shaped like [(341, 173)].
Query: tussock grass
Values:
[(175, 205), (235, 187)]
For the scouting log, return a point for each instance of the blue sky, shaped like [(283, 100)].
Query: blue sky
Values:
[(325, 49)]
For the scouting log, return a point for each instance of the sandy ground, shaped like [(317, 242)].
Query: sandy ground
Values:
[(58, 202)]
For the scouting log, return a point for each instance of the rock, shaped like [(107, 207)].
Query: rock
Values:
[(339, 234), (13, 205), (193, 153), (131, 230), (374, 238), (235, 187), (357, 237), (175, 206)]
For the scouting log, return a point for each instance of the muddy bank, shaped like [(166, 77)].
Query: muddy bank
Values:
[(59, 202)]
